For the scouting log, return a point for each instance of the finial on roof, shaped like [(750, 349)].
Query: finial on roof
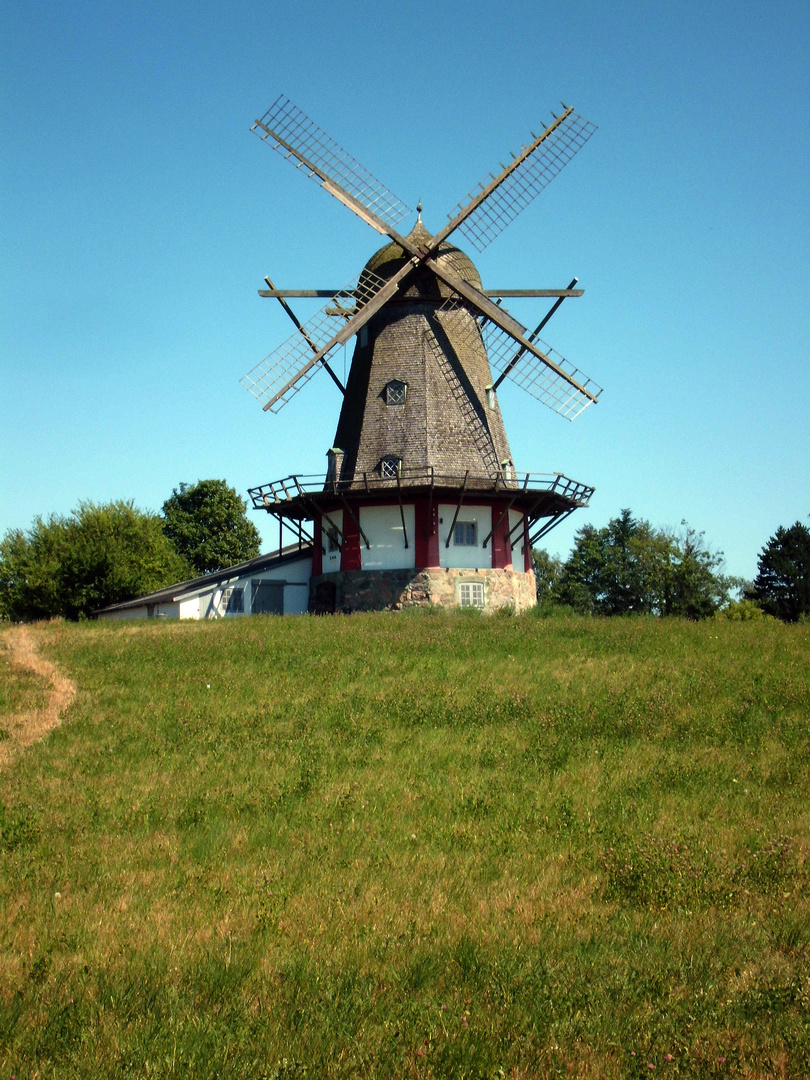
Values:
[(419, 212)]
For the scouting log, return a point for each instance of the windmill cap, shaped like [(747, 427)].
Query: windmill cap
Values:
[(423, 284)]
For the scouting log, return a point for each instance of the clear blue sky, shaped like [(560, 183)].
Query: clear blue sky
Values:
[(139, 216)]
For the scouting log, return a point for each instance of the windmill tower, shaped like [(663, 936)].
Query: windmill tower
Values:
[(421, 502)]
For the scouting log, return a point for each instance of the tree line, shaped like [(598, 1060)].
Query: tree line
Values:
[(98, 555), (105, 554), (630, 568)]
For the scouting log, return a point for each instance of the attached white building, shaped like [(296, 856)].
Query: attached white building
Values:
[(276, 584)]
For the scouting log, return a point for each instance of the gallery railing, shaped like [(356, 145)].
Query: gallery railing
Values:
[(274, 495)]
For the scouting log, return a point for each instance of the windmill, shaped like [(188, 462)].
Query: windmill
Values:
[(421, 502)]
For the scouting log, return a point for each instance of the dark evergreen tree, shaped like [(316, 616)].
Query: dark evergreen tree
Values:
[(616, 570), (208, 526), (628, 567), (782, 584)]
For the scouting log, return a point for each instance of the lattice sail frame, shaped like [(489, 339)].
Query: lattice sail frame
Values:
[(284, 125), (516, 192), (291, 358), (295, 136), (544, 384), (529, 373)]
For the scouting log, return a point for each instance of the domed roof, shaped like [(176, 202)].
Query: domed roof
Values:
[(424, 284)]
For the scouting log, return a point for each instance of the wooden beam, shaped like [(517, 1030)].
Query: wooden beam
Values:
[(458, 508), (329, 293), (497, 524), (503, 319), (545, 293), (522, 351), (307, 338), (355, 205), (338, 532), (550, 524), (505, 173), (355, 323), (355, 519), (402, 510), (292, 293), (428, 256)]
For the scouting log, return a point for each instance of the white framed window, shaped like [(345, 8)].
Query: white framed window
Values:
[(390, 466), (471, 594), (461, 556), (465, 534), (332, 538), (232, 601), (508, 469), (395, 392)]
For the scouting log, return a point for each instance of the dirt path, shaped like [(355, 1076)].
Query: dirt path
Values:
[(26, 728)]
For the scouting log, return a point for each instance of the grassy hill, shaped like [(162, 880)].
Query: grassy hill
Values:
[(410, 845)]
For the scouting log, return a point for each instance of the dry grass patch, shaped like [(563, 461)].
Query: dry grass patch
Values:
[(29, 725)]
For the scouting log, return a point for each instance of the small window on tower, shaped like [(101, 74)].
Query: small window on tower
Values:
[(395, 392), (508, 469), (332, 538), (464, 534), (390, 467)]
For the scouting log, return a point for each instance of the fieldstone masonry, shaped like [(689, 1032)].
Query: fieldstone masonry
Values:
[(392, 590)]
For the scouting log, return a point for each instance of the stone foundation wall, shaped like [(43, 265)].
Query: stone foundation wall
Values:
[(392, 590)]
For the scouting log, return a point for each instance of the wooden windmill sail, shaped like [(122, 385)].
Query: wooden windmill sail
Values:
[(420, 422)]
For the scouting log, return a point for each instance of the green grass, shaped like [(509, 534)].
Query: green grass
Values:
[(417, 845)]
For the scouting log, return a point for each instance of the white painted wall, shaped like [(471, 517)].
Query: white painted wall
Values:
[(462, 556), (383, 528), (517, 540), (296, 591), (169, 610), (207, 604), (122, 616), (295, 576), (331, 559)]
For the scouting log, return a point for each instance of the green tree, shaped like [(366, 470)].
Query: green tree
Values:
[(782, 584), (97, 556), (617, 570), (628, 567), (207, 524), (697, 587), (547, 570)]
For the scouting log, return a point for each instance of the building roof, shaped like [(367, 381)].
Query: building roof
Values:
[(184, 590), (422, 283)]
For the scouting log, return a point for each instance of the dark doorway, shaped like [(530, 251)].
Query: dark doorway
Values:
[(323, 598), (268, 598)]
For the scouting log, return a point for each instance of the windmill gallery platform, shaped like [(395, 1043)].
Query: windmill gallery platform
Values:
[(421, 502)]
